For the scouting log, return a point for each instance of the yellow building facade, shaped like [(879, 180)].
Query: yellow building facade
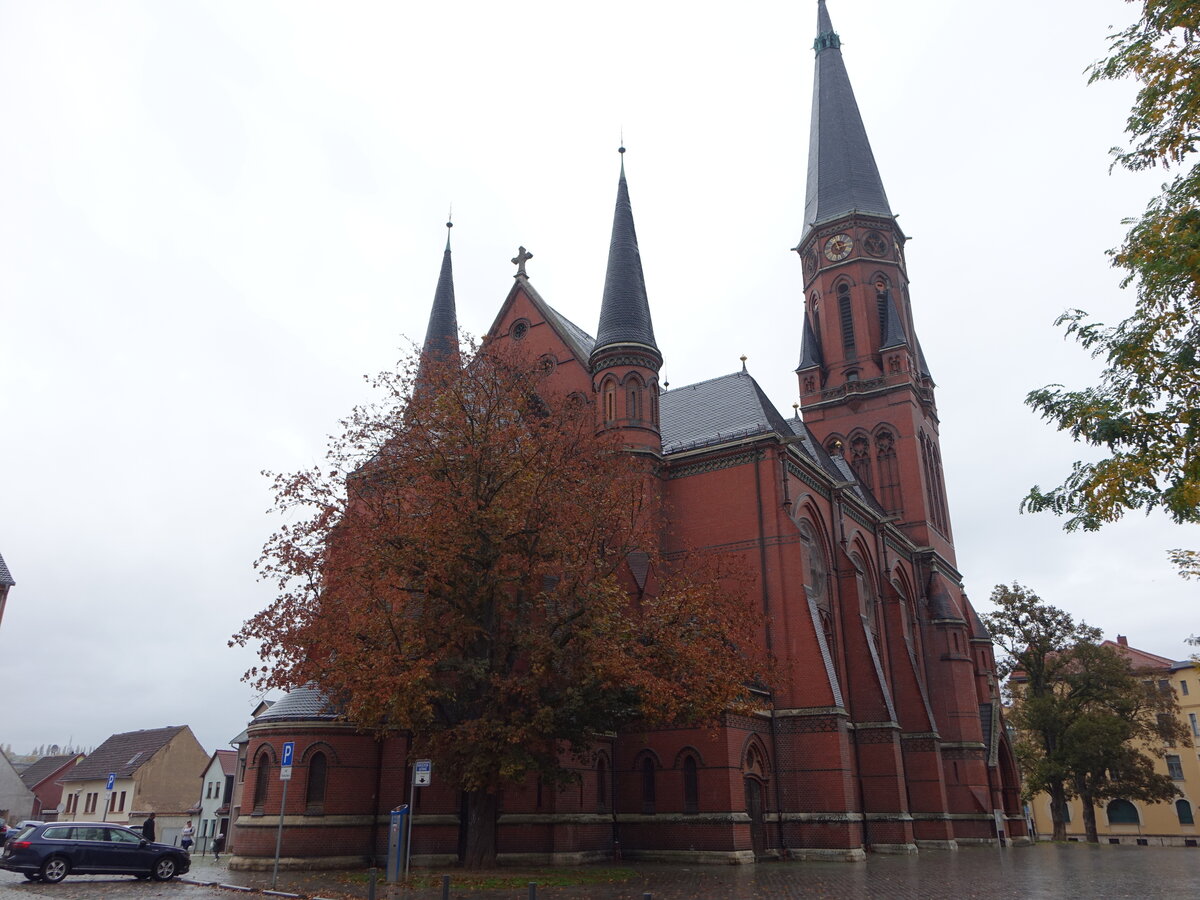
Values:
[(1132, 821)]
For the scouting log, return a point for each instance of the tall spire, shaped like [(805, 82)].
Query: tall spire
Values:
[(842, 175), (441, 337), (625, 310)]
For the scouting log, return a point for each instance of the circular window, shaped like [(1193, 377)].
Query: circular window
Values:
[(520, 328), (874, 243)]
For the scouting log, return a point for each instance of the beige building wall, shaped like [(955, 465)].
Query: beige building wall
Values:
[(1157, 823)]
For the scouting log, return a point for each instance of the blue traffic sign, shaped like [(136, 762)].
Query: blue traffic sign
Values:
[(112, 779), (289, 751)]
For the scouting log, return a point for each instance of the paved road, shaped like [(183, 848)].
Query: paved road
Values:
[(1043, 871)]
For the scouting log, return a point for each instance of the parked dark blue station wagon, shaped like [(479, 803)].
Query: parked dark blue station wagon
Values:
[(53, 850)]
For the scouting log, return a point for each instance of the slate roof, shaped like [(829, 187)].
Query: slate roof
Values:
[(124, 753), (624, 310), (893, 329), (720, 409), (842, 175), (6, 578), (41, 769), (306, 702), (810, 349), (441, 336)]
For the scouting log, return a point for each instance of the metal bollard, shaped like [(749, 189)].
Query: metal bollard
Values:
[(371, 884), (533, 890), (445, 887)]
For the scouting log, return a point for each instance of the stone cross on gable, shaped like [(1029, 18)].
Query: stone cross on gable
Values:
[(519, 261)]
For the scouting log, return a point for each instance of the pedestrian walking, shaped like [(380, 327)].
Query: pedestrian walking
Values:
[(218, 845), (186, 836), (148, 828)]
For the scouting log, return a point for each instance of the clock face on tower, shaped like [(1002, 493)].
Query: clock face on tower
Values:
[(838, 247)]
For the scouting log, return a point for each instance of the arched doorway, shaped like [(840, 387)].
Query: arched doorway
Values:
[(754, 808)]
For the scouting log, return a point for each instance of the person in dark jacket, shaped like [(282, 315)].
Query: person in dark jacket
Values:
[(218, 845), (148, 828)]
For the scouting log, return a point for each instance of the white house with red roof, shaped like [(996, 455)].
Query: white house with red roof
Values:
[(216, 795)]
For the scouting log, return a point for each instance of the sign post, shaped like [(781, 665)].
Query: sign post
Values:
[(422, 777), (112, 781), (285, 775)]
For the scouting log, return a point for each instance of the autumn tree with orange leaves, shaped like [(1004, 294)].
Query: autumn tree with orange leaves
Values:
[(460, 570)]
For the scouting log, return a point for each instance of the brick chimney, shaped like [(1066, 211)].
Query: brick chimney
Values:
[(1122, 640)]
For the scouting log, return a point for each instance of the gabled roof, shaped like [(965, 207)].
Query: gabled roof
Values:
[(124, 753), (306, 702), (227, 758), (577, 340), (711, 412), (842, 175), (6, 579), (47, 767), (1140, 659)]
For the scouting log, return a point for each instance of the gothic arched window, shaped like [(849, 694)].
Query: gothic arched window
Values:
[(691, 785), (262, 781), (648, 802), (633, 400), (889, 472), (847, 318), (860, 458), (816, 581), (314, 799), (609, 394), (601, 784), (866, 595)]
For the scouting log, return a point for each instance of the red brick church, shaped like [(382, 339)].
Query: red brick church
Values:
[(888, 736)]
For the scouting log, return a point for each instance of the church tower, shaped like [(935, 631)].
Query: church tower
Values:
[(625, 359), (865, 390)]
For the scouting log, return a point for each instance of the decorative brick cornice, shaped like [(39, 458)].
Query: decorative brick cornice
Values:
[(809, 478), (822, 818), (714, 465)]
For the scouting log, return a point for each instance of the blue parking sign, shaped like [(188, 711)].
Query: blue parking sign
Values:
[(289, 750), (112, 779)]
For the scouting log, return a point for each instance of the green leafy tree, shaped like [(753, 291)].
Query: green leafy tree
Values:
[(1087, 724), (462, 570), (1144, 414), (1036, 642), (1123, 722)]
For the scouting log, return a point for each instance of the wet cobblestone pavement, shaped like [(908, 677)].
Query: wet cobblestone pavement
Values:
[(1042, 871)]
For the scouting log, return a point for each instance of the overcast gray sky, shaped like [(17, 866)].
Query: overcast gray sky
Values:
[(217, 217)]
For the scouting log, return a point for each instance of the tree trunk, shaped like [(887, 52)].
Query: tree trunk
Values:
[(481, 811), (1058, 811), (1089, 817)]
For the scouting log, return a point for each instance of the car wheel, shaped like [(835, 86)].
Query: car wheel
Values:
[(165, 868), (55, 869)]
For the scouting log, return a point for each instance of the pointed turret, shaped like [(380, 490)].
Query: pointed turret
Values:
[(625, 310), (441, 337), (625, 359), (810, 349), (842, 175), (893, 328)]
